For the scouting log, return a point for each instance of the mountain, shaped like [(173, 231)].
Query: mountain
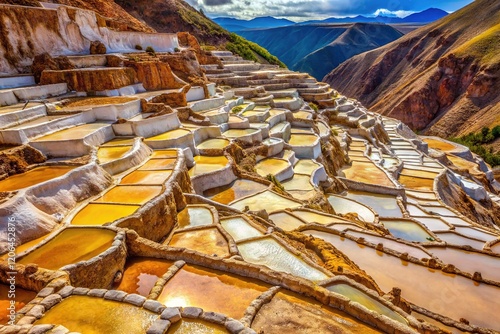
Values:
[(426, 16), (233, 24), (442, 79), (319, 48)]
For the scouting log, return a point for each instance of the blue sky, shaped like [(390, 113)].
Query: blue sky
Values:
[(300, 10)]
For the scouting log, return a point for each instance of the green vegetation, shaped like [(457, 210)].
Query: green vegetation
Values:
[(313, 106), (237, 109), (476, 141), (151, 51), (277, 183), (251, 51), (138, 47)]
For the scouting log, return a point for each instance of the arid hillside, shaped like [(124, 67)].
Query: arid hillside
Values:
[(442, 79)]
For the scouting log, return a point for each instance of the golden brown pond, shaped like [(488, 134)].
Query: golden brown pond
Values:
[(212, 290), (32, 177), (98, 214), (130, 194), (141, 274), (91, 315), (71, 246), (208, 241), (238, 189), (22, 298)]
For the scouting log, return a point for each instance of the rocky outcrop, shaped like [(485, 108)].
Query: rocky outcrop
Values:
[(97, 48), (155, 75), (16, 160), (91, 80), (46, 62)]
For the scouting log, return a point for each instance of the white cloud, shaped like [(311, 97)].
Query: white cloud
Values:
[(396, 13)]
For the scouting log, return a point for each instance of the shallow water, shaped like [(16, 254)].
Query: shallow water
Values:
[(285, 221), (206, 165), (130, 194), (268, 252), (72, 245), (187, 326), (207, 241), (107, 154), (384, 205), (213, 143), (22, 298), (367, 301), (33, 177), (141, 274), (195, 216), (240, 229), (408, 230), (267, 200), (96, 316), (147, 177), (271, 166), (445, 294), (212, 290), (236, 190), (97, 214), (344, 205)]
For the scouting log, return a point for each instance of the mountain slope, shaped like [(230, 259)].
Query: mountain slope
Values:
[(318, 48), (442, 79)]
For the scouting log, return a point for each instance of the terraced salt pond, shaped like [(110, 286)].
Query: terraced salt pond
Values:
[(72, 245), (271, 166), (159, 164), (195, 215), (213, 143), (97, 214), (268, 252), (303, 140), (286, 221), (207, 241), (77, 132), (305, 166), (457, 239), (141, 274), (205, 164), (95, 316), (138, 195), (236, 190), (449, 295), (488, 266), (384, 205), (366, 172), (265, 200), (240, 229), (143, 177), (107, 154), (34, 176), (408, 230), (366, 300), (344, 205), (298, 182), (209, 289)]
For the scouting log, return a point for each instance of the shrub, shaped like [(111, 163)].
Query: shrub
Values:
[(476, 141), (177, 49), (277, 183), (237, 109), (138, 47), (151, 51), (313, 106)]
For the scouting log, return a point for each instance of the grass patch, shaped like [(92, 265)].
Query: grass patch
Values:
[(485, 47), (476, 143), (249, 50)]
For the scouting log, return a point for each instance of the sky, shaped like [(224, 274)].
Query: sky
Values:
[(301, 10)]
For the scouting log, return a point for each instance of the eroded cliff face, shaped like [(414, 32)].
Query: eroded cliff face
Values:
[(441, 79)]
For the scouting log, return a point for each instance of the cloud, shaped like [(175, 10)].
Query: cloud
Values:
[(390, 13), (217, 2)]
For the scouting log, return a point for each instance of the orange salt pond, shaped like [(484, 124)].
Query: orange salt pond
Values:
[(33, 177), (98, 214), (186, 326), (91, 315), (208, 241), (212, 290), (22, 298), (416, 183), (130, 194), (146, 177), (164, 154), (206, 164), (238, 189), (159, 164), (107, 154), (141, 274), (440, 144), (282, 313), (72, 245), (366, 172)]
